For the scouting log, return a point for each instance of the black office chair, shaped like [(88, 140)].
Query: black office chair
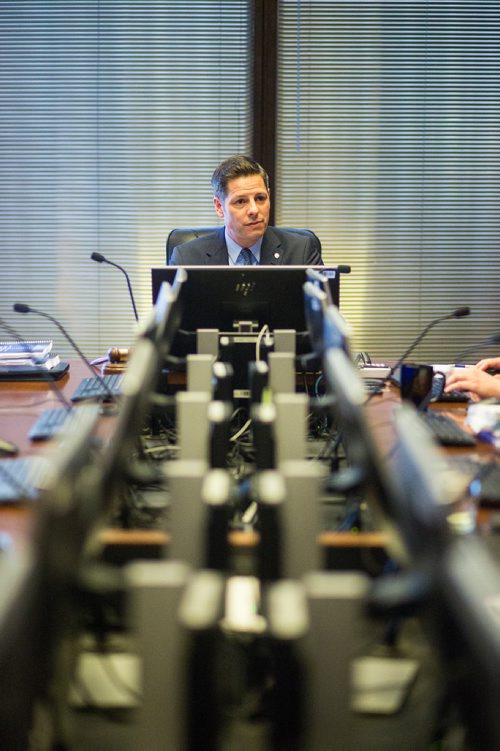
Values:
[(179, 236)]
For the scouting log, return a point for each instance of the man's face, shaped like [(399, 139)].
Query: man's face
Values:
[(245, 209)]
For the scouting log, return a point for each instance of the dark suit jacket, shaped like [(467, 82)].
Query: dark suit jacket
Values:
[(279, 247)]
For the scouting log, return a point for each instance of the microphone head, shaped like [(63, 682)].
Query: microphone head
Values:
[(461, 312), (21, 307), (97, 257)]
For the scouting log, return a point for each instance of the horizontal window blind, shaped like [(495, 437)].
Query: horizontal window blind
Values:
[(389, 148), (114, 115)]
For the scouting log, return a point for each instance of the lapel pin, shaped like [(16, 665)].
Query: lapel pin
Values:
[(276, 255)]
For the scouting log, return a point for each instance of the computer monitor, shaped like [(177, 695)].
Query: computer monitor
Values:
[(326, 327), (153, 324), (463, 597), (163, 320), (468, 637), (42, 611), (320, 280), (315, 306), (366, 467), (235, 298), (82, 492), (120, 460), (336, 331), (427, 482)]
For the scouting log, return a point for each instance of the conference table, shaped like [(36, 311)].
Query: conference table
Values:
[(22, 402)]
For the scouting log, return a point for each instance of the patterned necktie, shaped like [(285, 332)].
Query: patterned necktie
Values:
[(245, 258)]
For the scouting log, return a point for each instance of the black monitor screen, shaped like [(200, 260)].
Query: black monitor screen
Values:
[(224, 297), (164, 318), (336, 331), (315, 307), (38, 616), (363, 456)]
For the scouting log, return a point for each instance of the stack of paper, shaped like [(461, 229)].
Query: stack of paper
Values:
[(22, 354)]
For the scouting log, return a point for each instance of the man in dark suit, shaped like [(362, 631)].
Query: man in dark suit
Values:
[(241, 198)]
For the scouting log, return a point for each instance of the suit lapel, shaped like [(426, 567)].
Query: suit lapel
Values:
[(217, 254), (271, 253)]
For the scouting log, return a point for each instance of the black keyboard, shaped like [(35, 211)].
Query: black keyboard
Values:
[(438, 395), (21, 479), (93, 388), (49, 423), (453, 396), (374, 385), (446, 430)]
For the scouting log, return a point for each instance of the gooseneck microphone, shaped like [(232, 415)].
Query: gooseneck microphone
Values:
[(491, 341), (20, 307), (101, 259), (458, 313)]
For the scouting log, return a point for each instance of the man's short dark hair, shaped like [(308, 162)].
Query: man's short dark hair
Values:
[(232, 168)]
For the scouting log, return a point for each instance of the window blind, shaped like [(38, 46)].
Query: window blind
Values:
[(389, 148), (114, 115)]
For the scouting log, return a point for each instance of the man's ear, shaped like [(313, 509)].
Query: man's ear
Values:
[(218, 207)]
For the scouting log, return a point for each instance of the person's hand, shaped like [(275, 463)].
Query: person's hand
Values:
[(490, 362), (479, 384)]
